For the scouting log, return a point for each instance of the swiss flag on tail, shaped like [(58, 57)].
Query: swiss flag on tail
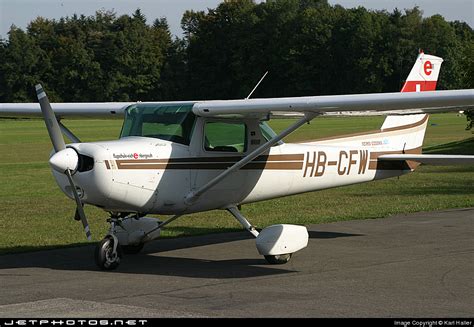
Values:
[(424, 74)]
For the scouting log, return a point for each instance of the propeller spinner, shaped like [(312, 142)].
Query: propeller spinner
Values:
[(65, 160)]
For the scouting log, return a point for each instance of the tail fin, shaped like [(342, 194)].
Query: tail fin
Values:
[(424, 74), (423, 77)]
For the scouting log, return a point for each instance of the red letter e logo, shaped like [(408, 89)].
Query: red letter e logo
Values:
[(428, 67)]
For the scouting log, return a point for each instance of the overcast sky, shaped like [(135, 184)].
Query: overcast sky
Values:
[(20, 12)]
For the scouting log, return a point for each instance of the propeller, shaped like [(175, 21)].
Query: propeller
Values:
[(65, 160)]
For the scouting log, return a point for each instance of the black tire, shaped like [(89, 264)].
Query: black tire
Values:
[(278, 259), (132, 249), (102, 254)]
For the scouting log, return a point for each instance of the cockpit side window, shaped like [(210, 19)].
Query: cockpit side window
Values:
[(173, 123), (225, 136)]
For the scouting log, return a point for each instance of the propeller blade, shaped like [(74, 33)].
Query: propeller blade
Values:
[(50, 120), (77, 216), (79, 208), (64, 160)]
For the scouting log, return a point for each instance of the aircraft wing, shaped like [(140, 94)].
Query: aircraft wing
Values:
[(349, 104), (78, 109), (430, 159), (412, 102)]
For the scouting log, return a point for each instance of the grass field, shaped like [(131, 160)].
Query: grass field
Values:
[(35, 214)]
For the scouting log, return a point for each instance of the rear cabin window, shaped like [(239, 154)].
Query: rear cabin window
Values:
[(225, 137)]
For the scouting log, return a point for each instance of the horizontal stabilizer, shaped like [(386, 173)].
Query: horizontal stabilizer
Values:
[(430, 159)]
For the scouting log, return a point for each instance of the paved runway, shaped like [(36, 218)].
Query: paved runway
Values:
[(418, 265)]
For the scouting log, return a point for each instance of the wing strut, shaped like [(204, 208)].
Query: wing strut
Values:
[(70, 135), (192, 196)]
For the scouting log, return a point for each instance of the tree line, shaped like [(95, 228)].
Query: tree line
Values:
[(309, 47)]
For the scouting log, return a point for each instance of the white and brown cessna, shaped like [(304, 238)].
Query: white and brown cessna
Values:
[(176, 158)]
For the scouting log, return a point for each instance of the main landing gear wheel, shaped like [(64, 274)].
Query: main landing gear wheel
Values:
[(132, 249), (278, 259), (105, 257)]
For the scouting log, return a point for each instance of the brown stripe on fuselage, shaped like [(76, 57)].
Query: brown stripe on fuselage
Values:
[(281, 157), (275, 165), (107, 164), (232, 159), (377, 131), (141, 166), (218, 166), (283, 162)]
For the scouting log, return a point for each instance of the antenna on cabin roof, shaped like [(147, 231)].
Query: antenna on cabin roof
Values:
[(260, 81)]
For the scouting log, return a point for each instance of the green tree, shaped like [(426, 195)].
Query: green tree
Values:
[(22, 61), (470, 119)]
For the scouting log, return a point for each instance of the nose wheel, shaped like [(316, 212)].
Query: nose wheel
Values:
[(278, 259), (108, 253)]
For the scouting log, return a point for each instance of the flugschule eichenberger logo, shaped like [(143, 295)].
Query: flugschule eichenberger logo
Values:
[(133, 155)]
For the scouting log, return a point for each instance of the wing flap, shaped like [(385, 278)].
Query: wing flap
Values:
[(430, 159)]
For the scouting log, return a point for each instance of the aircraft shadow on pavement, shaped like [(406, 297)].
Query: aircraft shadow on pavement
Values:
[(150, 261), (323, 235), (154, 260)]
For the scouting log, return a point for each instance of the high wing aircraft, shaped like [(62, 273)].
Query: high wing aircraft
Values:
[(177, 158)]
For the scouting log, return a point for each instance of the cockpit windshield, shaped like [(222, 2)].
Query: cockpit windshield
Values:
[(171, 122), (268, 132)]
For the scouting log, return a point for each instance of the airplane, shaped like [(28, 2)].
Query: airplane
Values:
[(181, 157)]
